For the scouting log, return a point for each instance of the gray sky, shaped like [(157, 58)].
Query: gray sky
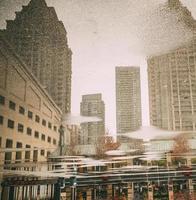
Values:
[(106, 33)]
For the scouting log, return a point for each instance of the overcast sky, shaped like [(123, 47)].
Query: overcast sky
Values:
[(107, 33)]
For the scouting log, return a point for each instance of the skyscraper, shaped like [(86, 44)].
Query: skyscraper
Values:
[(172, 89), (172, 81), (128, 99), (41, 41), (92, 105)]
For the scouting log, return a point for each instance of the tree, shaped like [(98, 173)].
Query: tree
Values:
[(181, 144), (180, 147), (105, 143)]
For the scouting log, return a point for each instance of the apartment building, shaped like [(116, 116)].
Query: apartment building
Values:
[(172, 80)]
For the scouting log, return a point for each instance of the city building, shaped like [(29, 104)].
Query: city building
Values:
[(183, 14), (172, 81), (128, 99), (40, 39), (92, 105), (29, 118), (75, 139), (172, 89)]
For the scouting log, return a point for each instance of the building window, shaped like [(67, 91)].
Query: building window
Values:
[(1, 119), (12, 105), (30, 115), (49, 125), (42, 152), (2, 100), (9, 143), (49, 139), (21, 110), (55, 128), (54, 141), (18, 153), (43, 122), (43, 137), (48, 153), (35, 155), (37, 118), (10, 124), (36, 134), (20, 128), (27, 154), (8, 155), (29, 131)]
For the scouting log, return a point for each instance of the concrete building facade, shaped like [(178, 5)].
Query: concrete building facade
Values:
[(92, 105), (74, 140), (128, 99), (172, 81), (29, 118), (172, 89), (41, 41)]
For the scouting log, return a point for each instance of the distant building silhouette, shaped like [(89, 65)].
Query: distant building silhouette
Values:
[(92, 105), (41, 41)]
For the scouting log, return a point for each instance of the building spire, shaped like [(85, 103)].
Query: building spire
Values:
[(38, 3), (174, 3)]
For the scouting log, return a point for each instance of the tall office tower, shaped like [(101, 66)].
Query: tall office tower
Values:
[(172, 82), (41, 41), (92, 105), (128, 99)]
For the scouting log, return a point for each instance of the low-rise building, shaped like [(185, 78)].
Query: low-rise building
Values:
[(29, 118)]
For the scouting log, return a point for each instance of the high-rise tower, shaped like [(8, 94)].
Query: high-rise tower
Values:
[(172, 81), (92, 105), (41, 41), (172, 89), (128, 99)]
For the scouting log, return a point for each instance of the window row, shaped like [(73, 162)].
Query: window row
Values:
[(18, 156), (20, 128), (12, 106)]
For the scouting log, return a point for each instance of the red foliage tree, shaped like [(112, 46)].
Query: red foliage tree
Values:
[(104, 144), (181, 144)]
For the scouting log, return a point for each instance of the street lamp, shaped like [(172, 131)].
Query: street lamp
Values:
[(73, 182)]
